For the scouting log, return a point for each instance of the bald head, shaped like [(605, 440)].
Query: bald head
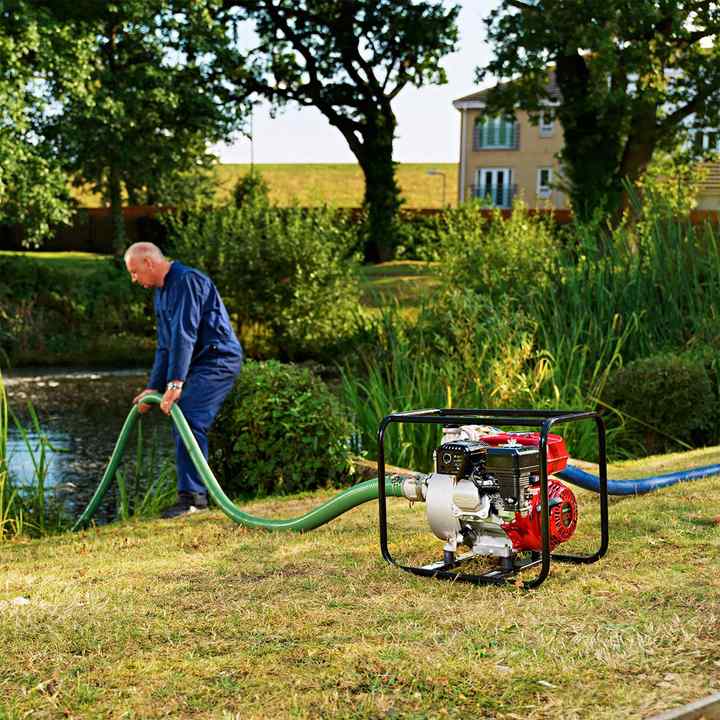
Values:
[(146, 264), (144, 249)]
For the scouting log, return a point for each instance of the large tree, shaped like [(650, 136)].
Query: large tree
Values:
[(142, 126), (634, 76), (41, 61), (348, 58)]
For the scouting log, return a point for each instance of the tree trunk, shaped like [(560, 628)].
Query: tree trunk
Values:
[(116, 214), (593, 141), (382, 194), (637, 154)]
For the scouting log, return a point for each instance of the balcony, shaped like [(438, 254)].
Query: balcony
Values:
[(499, 196)]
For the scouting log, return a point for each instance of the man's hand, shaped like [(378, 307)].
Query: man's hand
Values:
[(143, 407), (172, 394)]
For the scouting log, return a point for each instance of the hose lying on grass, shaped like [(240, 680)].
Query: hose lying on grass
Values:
[(579, 477), (347, 499), (341, 503)]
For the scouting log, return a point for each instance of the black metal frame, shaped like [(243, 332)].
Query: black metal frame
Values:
[(542, 419)]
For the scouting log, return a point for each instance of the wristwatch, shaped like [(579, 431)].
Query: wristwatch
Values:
[(174, 386)]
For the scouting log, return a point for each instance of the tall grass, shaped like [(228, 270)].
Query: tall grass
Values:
[(548, 339), (506, 372), (664, 281), (11, 516), (33, 497), (148, 485)]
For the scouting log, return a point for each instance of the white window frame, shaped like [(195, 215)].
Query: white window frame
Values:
[(493, 137), (544, 190), (508, 179), (547, 129)]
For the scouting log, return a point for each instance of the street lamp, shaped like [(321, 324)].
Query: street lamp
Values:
[(442, 174)]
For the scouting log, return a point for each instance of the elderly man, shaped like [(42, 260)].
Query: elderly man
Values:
[(197, 358)]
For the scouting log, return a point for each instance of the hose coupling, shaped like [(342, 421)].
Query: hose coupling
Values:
[(415, 487)]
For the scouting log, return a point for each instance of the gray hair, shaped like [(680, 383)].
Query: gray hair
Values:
[(144, 249)]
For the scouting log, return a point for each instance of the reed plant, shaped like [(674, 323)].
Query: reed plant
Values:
[(506, 371), (44, 514), (595, 306), (146, 485), (663, 281), (27, 505), (11, 516)]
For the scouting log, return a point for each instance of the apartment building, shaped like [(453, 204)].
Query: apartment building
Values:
[(502, 160)]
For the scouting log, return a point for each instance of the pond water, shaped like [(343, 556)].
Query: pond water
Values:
[(81, 414)]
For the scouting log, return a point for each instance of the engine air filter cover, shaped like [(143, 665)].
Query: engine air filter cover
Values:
[(557, 454), (511, 467), (459, 457)]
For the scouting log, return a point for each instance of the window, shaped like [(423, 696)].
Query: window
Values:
[(547, 123), (494, 185), (707, 141), (544, 182), (495, 133)]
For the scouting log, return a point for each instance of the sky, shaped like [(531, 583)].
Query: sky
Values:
[(428, 124)]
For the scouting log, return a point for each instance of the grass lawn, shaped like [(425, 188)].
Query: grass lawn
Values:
[(404, 281), (340, 184), (76, 262), (201, 618)]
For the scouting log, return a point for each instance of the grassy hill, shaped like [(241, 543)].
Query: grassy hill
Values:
[(343, 184), (338, 184)]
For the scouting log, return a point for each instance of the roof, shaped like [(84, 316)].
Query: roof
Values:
[(477, 99)]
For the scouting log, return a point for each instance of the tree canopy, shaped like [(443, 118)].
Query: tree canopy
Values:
[(41, 63), (634, 76), (142, 124), (348, 58)]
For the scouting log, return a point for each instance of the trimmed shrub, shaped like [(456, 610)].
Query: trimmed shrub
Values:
[(279, 431), (667, 400)]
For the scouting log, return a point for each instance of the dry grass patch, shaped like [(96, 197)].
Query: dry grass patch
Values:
[(202, 618)]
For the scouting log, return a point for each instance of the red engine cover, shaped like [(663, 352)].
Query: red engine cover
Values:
[(557, 454), (525, 530)]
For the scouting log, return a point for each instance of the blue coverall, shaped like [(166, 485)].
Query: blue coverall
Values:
[(195, 344)]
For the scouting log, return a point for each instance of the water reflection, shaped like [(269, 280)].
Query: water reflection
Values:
[(80, 413), (24, 451)]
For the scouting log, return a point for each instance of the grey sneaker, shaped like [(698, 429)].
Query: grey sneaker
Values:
[(187, 503)]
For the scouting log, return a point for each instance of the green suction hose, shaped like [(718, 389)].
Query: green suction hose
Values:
[(342, 502)]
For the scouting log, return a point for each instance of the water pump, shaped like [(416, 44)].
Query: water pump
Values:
[(492, 494), (485, 494)]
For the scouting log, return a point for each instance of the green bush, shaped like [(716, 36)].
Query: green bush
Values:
[(287, 275), (54, 315), (502, 259), (419, 235), (252, 188), (668, 401), (279, 431)]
